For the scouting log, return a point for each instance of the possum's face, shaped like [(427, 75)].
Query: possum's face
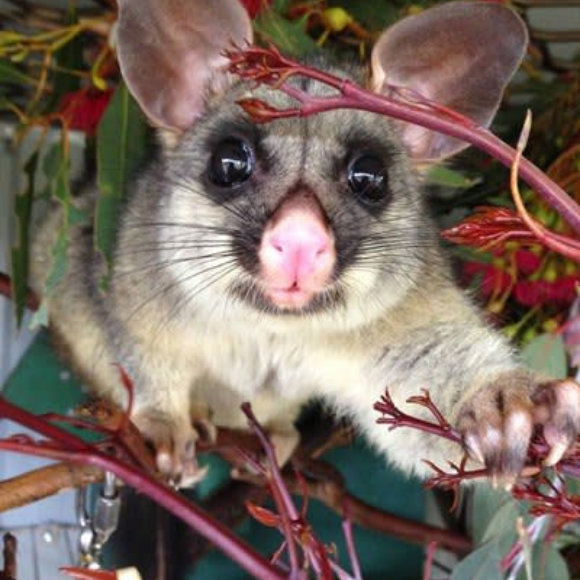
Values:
[(295, 217), (301, 218)]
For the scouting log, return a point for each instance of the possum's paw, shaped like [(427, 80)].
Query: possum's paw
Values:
[(498, 420), (174, 442)]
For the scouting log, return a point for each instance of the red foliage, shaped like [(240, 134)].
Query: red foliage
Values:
[(488, 227)]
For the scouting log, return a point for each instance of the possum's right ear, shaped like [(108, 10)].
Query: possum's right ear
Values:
[(458, 54), (170, 51)]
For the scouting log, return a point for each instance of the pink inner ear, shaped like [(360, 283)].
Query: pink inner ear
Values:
[(171, 52), (460, 55)]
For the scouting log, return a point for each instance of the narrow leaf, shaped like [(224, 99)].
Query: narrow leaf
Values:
[(288, 35), (121, 140), (446, 177), (12, 74), (56, 167), (19, 254)]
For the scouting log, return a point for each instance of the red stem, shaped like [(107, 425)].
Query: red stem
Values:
[(284, 503), (216, 533), (352, 554)]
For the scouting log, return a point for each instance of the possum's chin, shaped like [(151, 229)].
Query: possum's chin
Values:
[(288, 302)]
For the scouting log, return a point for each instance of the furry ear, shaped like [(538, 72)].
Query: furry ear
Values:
[(170, 51), (460, 54)]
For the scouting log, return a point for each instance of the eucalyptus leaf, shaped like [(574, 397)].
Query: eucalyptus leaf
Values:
[(121, 141), (281, 6), (59, 260), (375, 14), (546, 353), (40, 317), (486, 503), (482, 564), (547, 564), (56, 167), (288, 35), (503, 524), (13, 75), (20, 251), (448, 178)]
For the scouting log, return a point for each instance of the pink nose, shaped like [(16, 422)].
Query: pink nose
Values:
[(297, 252)]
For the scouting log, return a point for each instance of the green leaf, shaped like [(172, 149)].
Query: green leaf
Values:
[(19, 253), (40, 317), (78, 217), (281, 6), (374, 14), (12, 74), (445, 177), (121, 141), (56, 167), (487, 502), (482, 564), (503, 524), (547, 564), (288, 35), (546, 353), (59, 260)]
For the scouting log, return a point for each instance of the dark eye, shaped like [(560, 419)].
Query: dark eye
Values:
[(366, 175), (231, 163)]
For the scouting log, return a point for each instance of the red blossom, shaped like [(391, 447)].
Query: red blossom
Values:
[(83, 109), (527, 262), (544, 292), (530, 292), (254, 6), (495, 281)]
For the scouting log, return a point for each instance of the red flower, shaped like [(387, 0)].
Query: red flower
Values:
[(254, 6), (83, 109), (543, 292), (494, 281), (527, 262)]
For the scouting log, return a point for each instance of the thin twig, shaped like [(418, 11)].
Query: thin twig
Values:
[(569, 248)]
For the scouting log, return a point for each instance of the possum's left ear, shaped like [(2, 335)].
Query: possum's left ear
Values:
[(460, 55), (171, 54)]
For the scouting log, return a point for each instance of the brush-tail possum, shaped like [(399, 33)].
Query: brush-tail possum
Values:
[(281, 262)]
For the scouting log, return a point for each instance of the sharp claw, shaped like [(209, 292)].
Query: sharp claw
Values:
[(164, 461), (474, 449), (556, 453), (191, 477)]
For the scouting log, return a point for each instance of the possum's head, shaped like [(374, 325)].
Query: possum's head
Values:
[(321, 215)]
